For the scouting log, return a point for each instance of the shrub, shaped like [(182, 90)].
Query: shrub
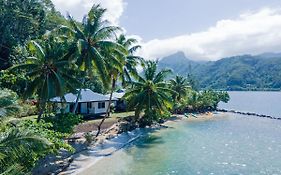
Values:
[(153, 116), (27, 109), (64, 122), (44, 130)]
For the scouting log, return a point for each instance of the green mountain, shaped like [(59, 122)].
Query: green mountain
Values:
[(246, 72)]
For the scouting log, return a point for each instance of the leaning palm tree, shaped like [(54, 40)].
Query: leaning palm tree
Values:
[(180, 85), (131, 61), (50, 71), (150, 92), (92, 38), (121, 65)]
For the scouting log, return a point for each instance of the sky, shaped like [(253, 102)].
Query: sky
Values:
[(203, 30)]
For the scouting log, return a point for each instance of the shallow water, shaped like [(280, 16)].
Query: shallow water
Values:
[(233, 144), (267, 103)]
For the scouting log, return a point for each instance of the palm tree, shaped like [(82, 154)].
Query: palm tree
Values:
[(180, 85), (120, 65), (150, 92), (15, 144), (50, 71), (131, 61), (92, 38), (8, 104)]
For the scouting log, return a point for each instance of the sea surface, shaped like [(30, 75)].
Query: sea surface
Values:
[(229, 144), (267, 103)]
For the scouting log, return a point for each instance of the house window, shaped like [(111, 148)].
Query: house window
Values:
[(101, 105)]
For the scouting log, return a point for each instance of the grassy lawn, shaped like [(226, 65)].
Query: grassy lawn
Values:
[(91, 125)]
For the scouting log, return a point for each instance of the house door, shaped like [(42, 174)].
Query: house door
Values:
[(84, 109)]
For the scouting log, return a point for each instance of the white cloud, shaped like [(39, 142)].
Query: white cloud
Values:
[(250, 33), (78, 8)]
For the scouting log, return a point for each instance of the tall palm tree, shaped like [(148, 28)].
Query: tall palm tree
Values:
[(92, 38), (50, 71), (131, 61), (180, 85), (150, 92), (121, 65)]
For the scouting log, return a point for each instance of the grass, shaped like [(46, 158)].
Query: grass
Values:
[(92, 124)]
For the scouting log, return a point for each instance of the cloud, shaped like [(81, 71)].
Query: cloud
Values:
[(251, 33), (78, 8)]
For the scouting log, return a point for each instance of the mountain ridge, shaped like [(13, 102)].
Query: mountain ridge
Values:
[(244, 72)]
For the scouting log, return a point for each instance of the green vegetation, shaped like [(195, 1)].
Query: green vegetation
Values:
[(150, 93), (46, 55), (245, 72), (63, 123), (201, 101)]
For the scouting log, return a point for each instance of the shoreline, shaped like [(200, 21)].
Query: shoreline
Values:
[(110, 142), (107, 146)]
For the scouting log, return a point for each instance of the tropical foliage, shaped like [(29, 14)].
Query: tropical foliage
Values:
[(45, 55), (150, 93), (50, 71), (180, 85), (16, 145), (21, 20)]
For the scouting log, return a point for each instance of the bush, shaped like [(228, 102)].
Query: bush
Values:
[(64, 122), (27, 109), (153, 116), (204, 101), (44, 130)]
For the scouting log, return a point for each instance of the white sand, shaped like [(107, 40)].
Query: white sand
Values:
[(88, 158)]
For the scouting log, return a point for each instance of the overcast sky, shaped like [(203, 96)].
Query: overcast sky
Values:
[(203, 30)]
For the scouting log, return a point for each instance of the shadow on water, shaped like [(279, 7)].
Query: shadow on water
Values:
[(148, 141)]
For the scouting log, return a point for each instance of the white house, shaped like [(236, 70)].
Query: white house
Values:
[(120, 104), (89, 102)]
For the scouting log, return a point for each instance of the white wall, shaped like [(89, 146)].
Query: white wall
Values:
[(101, 110), (84, 109)]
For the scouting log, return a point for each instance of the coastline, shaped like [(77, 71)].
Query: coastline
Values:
[(108, 145)]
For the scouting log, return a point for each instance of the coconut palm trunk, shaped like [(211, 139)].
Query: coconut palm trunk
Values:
[(108, 107), (76, 102), (41, 110), (78, 96)]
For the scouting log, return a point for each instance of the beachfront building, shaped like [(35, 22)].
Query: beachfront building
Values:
[(89, 103), (120, 104)]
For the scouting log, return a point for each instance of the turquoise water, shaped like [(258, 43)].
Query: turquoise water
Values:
[(228, 145), (268, 103)]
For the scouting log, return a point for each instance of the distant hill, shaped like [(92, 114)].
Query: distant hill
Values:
[(246, 72)]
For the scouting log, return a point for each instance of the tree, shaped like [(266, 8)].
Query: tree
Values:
[(20, 21), (131, 61), (150, 92), (8, 103), (180, 85), (15, 144), (49, 69), (120, 64), (92, 38)]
